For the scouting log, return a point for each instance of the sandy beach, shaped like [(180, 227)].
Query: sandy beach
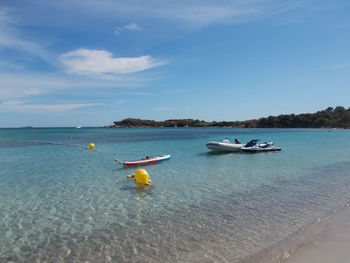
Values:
[(333, 246)]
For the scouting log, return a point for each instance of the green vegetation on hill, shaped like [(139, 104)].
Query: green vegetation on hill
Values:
[(338, 117)]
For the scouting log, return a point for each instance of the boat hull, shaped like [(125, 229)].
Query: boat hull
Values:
[(224, 147), (259, 149), (150, 160)]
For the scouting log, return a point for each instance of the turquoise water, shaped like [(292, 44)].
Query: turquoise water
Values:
[(62, 203)]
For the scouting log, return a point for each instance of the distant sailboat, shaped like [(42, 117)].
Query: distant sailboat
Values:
[(78, 122)]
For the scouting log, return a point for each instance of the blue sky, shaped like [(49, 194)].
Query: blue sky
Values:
[(70, 62)]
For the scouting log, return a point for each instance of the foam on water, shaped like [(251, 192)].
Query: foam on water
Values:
[(62, 203)]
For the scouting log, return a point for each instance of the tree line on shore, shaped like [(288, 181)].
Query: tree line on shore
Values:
[(337, 117)]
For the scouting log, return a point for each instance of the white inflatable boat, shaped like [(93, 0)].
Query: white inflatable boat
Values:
[(224, 146)]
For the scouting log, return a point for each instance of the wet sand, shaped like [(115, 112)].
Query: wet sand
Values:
[(333, 246)]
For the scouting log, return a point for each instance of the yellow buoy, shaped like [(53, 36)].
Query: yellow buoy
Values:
[(91, 146), (142, 177)]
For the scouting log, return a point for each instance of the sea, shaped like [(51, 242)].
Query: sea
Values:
[(60, 202)]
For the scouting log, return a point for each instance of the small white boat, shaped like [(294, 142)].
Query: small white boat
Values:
[(253, 146), (225, 146), (146, 160)]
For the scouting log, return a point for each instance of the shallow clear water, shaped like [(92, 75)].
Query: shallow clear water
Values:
[(62, 203)]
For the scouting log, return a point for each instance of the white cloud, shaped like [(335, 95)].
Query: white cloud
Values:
[(132, 26), (129, 27), (21, 106), (90, 62)]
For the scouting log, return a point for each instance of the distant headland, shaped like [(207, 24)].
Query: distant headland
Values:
[(337, 117)]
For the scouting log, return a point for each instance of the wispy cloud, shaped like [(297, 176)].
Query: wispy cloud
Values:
[(341, 25), (91, 62), (129, 27), (333, 67), (325, 6), (6, 92), (10, 38), (164, 108), (194, 13), (174, 92), (20, 85), (21, 106), (140, 93)]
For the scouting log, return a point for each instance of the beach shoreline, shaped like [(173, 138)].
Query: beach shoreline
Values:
[(330, 244)]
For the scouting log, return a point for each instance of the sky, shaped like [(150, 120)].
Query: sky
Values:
[(89, 63)]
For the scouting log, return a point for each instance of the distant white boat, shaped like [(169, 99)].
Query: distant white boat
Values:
[(78, 127), (225, 146)]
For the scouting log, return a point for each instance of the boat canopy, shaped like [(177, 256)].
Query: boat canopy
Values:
[(251, 143)]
